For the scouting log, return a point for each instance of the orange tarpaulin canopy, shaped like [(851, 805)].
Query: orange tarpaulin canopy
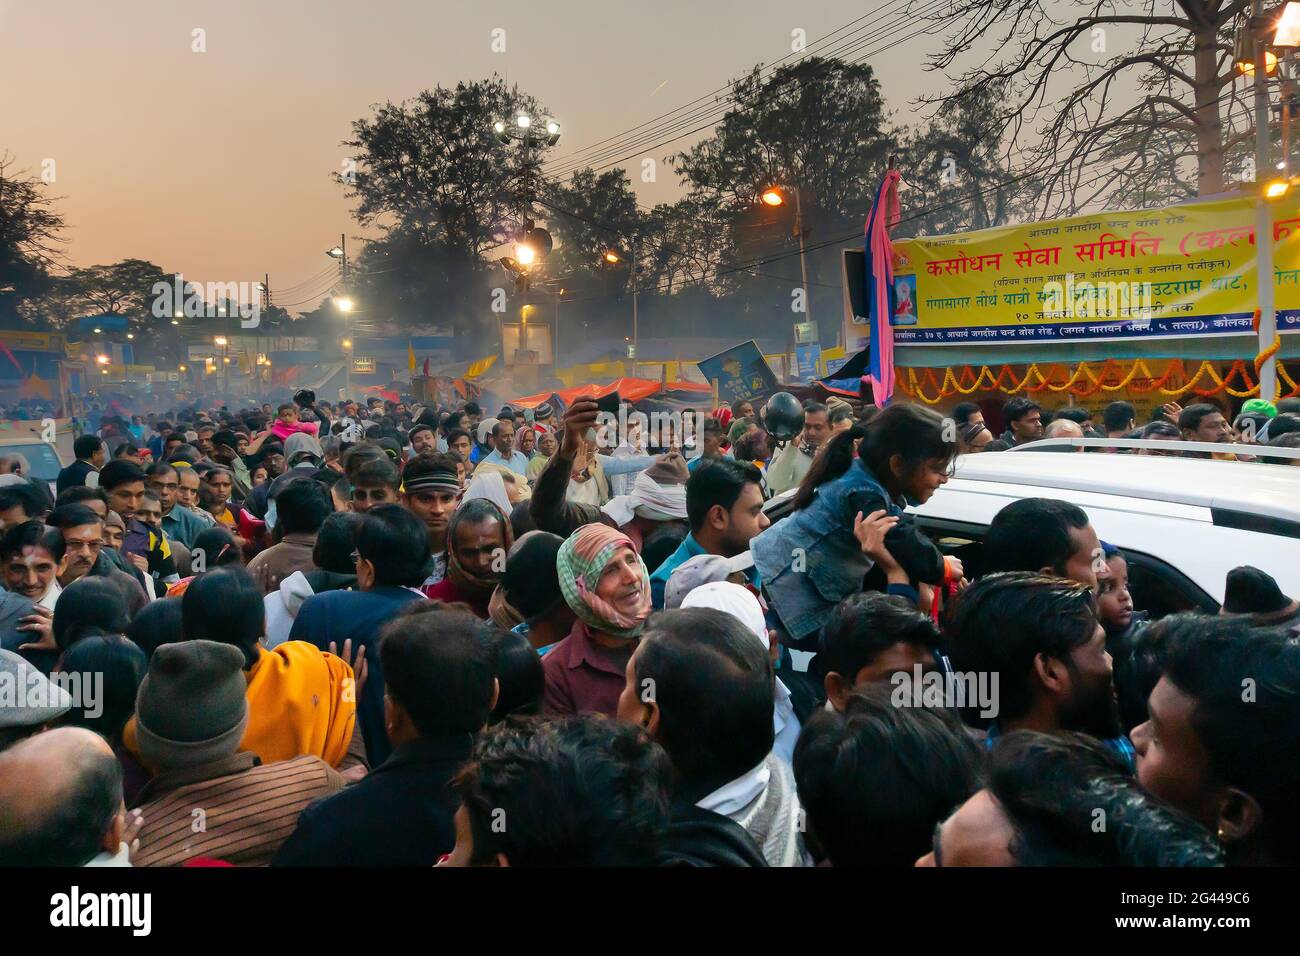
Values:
[(629, 389), (387, 394)]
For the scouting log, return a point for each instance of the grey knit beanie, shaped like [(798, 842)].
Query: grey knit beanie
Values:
[(191, 707)]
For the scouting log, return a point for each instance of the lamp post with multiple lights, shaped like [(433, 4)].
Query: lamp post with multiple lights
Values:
[(532, 244), (1255, 59)]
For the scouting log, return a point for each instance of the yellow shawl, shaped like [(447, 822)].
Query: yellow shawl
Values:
[(301, 701)]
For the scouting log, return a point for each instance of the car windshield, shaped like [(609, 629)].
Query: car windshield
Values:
[(40, 457)]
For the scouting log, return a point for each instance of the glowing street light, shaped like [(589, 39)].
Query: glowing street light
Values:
[(523, 121), (98, 330), (1247, 67), (347, 345), (102, 359), (773, 197), (612, 257), (525, 254), (1276, 189), (336, 253), (1288, 26), (221, 340), (343, 304)]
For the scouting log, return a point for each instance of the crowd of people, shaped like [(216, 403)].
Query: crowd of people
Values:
[(389, 633)]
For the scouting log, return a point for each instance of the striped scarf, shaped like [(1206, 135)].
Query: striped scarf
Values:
[(581, 561)]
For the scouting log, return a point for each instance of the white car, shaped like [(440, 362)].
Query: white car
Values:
[(1183, 523)]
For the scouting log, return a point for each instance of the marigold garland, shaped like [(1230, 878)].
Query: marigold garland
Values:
[(1084, 382)]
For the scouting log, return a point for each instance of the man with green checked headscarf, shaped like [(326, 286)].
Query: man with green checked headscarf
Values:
[(605, 583)]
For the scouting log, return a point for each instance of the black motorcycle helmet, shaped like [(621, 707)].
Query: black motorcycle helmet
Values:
[(783, 416)]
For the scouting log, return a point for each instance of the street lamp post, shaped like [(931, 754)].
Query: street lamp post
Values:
[(555, 338), (614, 257), (773, 196), (1284, 33), (1263, 215), (340, 252), (224, 342), (347, 365), (344, 305), (636, 338), (803, 254)]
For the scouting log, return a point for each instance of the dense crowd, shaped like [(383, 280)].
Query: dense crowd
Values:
[(385, 633)]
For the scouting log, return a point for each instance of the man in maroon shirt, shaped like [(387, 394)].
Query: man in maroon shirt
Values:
[(606, 584)]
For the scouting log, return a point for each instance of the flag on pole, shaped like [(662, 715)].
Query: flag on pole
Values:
[(879, 278), (426, 366), (410, 356), (482, 365)]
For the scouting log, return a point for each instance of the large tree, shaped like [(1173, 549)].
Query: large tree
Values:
[(29, 238), (955, 177), (121, 288), (816, 126), (588, 215), (689, 239), (433, 178), (1131, 103)]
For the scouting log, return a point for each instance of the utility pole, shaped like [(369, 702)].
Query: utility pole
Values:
[(803, 256), (347, 331), (636, 340), (266, 304), (555, 339), (1263, 215)]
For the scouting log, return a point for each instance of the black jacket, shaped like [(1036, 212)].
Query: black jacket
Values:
[(322, 581), (400, 815), (73, 475), (698, 837), (13, 608)]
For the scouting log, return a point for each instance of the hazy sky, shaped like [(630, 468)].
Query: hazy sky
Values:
[(218, 164)]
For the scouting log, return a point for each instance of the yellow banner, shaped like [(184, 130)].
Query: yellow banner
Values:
[(481, 366), (1181, 271), (32, 341)]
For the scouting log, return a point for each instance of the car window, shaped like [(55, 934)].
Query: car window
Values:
[(1157, 587), (1161, 589), (44, 462)]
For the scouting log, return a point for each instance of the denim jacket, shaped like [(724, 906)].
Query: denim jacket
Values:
[(811, 560)]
